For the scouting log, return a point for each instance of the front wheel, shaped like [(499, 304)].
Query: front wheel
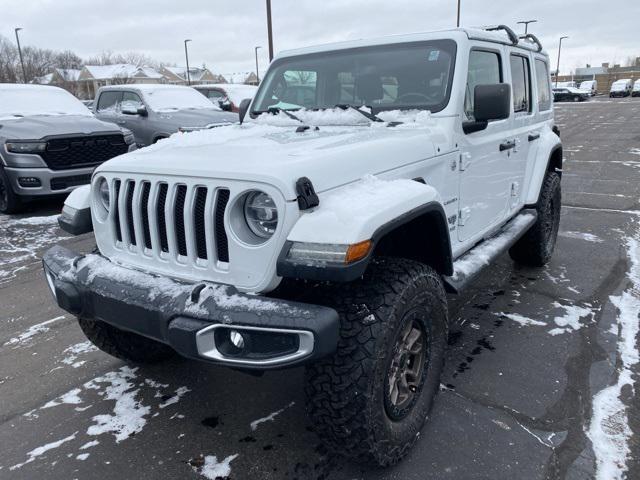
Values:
[(371, 398), (536, 247), (9, 201), (576, 99)]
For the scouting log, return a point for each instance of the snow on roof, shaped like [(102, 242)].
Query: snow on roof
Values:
[(43, 80), (68, 74), (195, 73), (236, 92), (105, 72)]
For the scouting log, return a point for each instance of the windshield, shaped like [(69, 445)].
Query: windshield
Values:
[(25, 101), (179, 98), (389, 77)]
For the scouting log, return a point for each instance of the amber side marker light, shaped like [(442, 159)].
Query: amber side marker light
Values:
[(358, 251)]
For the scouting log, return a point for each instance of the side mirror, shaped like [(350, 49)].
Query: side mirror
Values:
[(243, 108), (142, 111), (490, 102), (225, 105)]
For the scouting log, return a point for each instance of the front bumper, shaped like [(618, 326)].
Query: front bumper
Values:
[(196, 320)]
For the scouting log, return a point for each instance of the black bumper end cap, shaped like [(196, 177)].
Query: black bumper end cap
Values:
[(76, 222)]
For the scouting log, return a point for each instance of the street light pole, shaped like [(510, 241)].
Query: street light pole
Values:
[(186, 54), (257, 74), (269, 30), (458, 20), (24, 74), (526, 24), (558, 66)]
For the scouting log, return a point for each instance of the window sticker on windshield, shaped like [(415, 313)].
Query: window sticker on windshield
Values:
[(433, 55)]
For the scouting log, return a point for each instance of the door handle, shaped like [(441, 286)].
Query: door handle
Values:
[(534, 136), (507, 145)]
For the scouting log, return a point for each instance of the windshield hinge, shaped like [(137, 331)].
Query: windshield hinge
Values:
[(307, 197)]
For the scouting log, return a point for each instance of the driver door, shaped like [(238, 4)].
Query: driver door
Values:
[(136, 123)]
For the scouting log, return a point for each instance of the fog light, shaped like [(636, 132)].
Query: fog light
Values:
[(237, 339), (29, 182)]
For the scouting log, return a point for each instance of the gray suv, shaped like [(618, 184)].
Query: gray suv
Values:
[(50, 143), (153, 112)]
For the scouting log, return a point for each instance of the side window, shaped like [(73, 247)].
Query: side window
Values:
[(484, 69), (216, 94), (542, 79), (108, 101), (131, 101), (521, 78)]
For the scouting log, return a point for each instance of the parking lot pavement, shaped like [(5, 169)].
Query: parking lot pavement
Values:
[(535, 356)]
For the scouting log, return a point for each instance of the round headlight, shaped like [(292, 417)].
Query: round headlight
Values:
[(103, 193), (261, 214)]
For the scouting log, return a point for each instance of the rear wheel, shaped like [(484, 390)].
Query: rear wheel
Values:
[(576, 99), (371, 398), (127, 346), (536, 247), (9, 201)]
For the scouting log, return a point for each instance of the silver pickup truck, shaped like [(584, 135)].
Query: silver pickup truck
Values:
[(50, 143)]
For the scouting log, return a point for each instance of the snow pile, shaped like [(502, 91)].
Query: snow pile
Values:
[(270, 418), (26, 336), (482, 255), (571, 320), (37, 452), (609, 430), (211, 469)]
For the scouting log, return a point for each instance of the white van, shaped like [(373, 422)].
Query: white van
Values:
[(636, 89), (620, 88), (589, 86)]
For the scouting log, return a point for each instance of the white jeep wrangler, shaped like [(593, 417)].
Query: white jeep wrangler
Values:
[(366, 179)]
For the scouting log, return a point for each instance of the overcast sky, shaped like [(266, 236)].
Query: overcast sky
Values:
[(224, 32)]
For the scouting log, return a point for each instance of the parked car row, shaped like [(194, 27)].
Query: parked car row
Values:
[(569, 94), (625, 87), (51, 141)]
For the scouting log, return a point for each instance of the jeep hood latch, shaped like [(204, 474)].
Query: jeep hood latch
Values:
[(307, 197)]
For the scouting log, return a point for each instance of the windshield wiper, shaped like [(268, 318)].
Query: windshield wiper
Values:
[(370, 116), (276, 110)]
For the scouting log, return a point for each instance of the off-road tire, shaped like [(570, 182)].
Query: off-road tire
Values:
[(348, 393), (536, 247), (9, 201), (126, 346)]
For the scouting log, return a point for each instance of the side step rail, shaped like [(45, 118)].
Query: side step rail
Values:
[(469, 265)]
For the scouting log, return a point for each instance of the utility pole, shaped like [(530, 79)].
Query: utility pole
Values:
[(24, 74), (257, 74), (458, 21), (526, 25), (186, 54), (558, 66), (269, 30)]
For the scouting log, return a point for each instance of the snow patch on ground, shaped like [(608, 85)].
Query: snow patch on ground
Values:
[(211, 469), (271, 417), (72, 397), (179, 393), (570, 321), (524, 321), (609, 429), (74, 351), (635, 151), (25, 337), (37, 452), (589, 237)]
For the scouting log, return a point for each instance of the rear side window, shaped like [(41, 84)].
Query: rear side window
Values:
[(521, 78), (108, 101), (542, 79), (484, 69), (216, 94)]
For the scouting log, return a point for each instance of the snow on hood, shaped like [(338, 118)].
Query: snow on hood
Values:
[(270, 150), (28, 100)]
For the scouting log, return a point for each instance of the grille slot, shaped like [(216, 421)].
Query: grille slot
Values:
[(116, 210), (162, 223), (144, 207), (199, 207), (178, 212), (89, 150), (222, 242), (130, 223)]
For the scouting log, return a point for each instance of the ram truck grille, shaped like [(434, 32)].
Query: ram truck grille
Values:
[(82, 151), (171, 220)]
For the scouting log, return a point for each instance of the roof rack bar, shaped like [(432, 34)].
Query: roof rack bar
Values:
[(510, 33), (531, 37)]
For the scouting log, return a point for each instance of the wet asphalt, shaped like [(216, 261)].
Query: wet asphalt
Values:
[(516, 400)]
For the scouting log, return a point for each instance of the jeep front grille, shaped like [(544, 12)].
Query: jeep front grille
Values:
[(171, 220)]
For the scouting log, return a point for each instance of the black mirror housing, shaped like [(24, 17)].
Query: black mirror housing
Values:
[(244, 108), (142, 111), (492, 102)]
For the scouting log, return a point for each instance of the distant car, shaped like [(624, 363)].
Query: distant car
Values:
[(227, 95), (565, 84), (153, 111), (636, 89), (50, 143), (589, 86), (620, 88), (569, 94)]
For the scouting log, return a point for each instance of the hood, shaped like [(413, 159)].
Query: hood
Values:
[(40, 126), (198, 117), (329, 156)]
